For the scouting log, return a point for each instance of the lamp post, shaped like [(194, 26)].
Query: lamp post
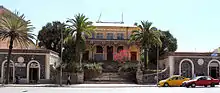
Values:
[(61, 58), (157, 63)]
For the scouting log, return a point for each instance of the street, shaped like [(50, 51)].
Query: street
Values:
[(109, 90)]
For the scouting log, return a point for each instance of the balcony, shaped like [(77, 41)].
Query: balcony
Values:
[(107, 41)]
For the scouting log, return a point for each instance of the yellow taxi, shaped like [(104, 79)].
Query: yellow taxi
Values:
[(175, 80)]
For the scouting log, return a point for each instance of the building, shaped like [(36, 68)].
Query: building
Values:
[(109, 38), (30, 64), (187, 64)]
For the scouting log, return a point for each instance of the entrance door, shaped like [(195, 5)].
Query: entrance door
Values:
[(33, 75), (214, 70), (34, 71), (109, 52), (133, 56)]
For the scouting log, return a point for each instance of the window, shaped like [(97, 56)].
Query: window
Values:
[(119, 48), (93, 35), (120, 36), (99, 36), (181, 78), (99, 49), (208, 78), (175, 78), (110, 36)]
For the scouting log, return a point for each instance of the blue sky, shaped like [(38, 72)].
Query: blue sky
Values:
[(195, 23)]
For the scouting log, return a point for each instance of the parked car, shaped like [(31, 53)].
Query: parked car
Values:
[(201, 81), (175, 80)]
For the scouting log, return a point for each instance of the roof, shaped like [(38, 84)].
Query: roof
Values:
[(29, 51), (112, 24), (191, 54)]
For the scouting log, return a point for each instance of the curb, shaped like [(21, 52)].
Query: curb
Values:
[(76, 86)]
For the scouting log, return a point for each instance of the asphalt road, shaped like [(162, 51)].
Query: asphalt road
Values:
[(109, 90)]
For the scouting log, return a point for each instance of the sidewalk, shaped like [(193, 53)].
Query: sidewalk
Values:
[(79, 85)]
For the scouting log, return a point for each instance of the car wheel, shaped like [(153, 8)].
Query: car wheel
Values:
[(212, 85), (205, 85), (166, 85), (193, 85)]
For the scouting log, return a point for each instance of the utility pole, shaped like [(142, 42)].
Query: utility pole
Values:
[(61, 58), (157, 63)]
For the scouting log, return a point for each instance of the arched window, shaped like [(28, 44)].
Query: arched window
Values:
[(120, 48), (99, 49)]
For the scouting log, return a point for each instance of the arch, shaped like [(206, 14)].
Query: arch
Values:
[(119, 48), (191, 62), (211, 62), (28, 68), (99, 49), (133, 48), (2, 70)]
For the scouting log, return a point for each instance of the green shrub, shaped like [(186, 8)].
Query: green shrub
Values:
[(128, 67), (93, 67), (92, 70)]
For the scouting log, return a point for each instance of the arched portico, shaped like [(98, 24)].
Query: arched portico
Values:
[(182, 63), (33, 64), (213, 68), (3, 70)]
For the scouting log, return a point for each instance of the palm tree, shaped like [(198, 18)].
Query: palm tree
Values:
[(148, 37), (92, 49), (80, 27), (16, 31)]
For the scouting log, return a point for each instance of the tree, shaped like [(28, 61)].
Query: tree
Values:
[(50, 36), (122, 56), (17, 31), (80, 27), (148, 37), (169, 44), (92, 49)]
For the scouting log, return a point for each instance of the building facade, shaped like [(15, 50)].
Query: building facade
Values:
[(29, 63), (109, 38), (187, 64)]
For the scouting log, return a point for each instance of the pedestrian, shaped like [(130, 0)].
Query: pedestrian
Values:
[(68, 80), (16, 79)]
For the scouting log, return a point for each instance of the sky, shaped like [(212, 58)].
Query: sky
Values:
[(195, 23)]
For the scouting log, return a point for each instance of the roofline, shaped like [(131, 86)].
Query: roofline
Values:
[(30, 51), (190, 53), (117, 26)]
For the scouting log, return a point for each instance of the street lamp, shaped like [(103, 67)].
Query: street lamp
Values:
[(158, 55), (157, 63), (61, 60)]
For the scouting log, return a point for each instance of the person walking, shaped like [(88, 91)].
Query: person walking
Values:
[(68, 80)]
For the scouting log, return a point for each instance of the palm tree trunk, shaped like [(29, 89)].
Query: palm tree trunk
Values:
[(145, 57), (8, 60)]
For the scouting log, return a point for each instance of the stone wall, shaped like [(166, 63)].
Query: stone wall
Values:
[(22, 70), (198, 68), (152, 78)]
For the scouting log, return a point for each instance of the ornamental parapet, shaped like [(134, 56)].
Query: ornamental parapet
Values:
[(110, 42)]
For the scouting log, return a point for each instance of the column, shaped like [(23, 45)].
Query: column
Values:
[(104, 52), (138, 54), (129, 52)]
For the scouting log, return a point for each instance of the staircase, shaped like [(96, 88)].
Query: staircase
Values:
[(108, 78)]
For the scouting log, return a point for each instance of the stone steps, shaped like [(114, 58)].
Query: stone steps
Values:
[(107, 82), (108, 78)]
